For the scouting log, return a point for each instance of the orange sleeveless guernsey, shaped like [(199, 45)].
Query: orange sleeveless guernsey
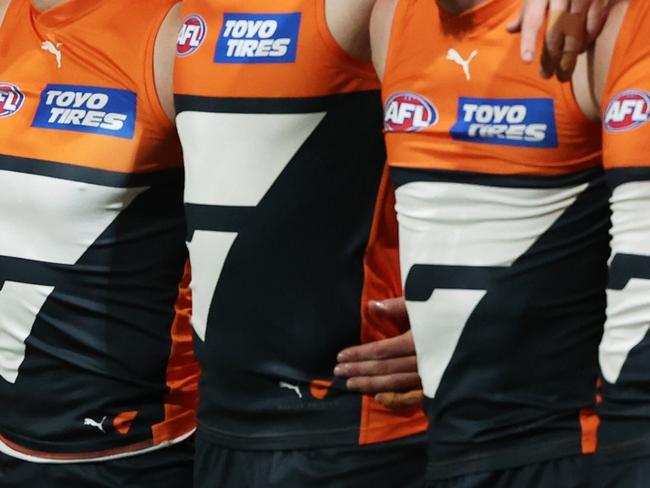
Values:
[(503, 222), (625, 348), (95, 359), (283, 154)]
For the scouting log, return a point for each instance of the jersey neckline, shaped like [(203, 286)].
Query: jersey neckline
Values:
[(480, 18), (62, 14)]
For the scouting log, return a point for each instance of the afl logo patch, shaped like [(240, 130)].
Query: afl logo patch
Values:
[(191, 35), (11, 99), (409, 112), (627, 110)]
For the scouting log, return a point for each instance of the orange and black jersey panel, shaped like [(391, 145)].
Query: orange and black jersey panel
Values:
[(625, 348), (284, 155), (95, 341), (503, 227)]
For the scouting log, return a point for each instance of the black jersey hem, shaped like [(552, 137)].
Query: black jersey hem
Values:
[(68, 452), (291, 441), (624, 450), (278, 441), (402, 176), (503, 459), (265, 105)]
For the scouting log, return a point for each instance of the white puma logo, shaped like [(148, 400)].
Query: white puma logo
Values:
[(97, 425), (289, 386), (453, 55), (52, 48)]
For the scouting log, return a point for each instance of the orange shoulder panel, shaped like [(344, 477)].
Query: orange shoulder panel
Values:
[(457, 97), (221, 40), (73, 66)]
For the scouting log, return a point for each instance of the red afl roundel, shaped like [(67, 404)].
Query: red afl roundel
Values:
[(191, 35), (408, 112), (627, 110), (11, 99)]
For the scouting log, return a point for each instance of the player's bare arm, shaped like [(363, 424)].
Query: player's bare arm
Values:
[(380, 27), (604, 48), (164, 60)]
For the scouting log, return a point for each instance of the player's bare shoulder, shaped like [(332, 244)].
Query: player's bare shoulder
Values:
[(381, 23), (348, 22), (164, 59), (4, 5)]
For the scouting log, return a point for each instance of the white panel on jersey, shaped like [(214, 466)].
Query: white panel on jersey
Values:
[(48, 220), (19, 306), (628, 310), (465, 225), (54, 220), (210, 249), (233, 159), (435, 343)]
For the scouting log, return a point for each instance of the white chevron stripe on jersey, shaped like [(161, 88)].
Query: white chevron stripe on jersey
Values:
[(47, 220), (628, 313), (232, 160), (458, 224), (209, 251)]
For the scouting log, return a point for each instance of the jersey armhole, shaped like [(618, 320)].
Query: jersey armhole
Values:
[(357, 67), (568, 94), (150, 88)]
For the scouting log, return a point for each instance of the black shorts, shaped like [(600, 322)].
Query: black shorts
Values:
[(573, 472), (621, 473), (390, 465), (169, 467)]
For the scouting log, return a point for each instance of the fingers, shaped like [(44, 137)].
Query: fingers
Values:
[(382, 384), (393, 309), (394, 347), (400, 400), (574, 30), (532, 18), (514, 25), (572, 26), (377, 368), (565, 37), (554, 37), (596, 17)]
